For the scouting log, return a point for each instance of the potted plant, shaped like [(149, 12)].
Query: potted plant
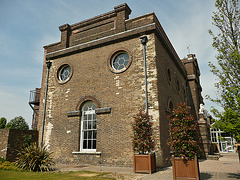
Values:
[(144, 159), (184, 142)]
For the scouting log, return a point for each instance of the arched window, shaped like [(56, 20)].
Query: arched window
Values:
[(169, 107), (88, 127), (169, 75)]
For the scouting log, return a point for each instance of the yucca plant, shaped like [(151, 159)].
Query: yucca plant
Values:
[(35, 158)]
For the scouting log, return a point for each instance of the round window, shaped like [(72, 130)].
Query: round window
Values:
[(64, 73), (119, 61)]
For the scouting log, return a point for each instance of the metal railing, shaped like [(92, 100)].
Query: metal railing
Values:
[(34, 96)]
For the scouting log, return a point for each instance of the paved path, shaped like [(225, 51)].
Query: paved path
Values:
[(226, 168)]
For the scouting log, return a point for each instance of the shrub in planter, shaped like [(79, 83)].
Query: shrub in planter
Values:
[(143, 143), (184, 141), (34, 158)]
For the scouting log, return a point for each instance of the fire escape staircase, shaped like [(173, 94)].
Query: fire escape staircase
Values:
[(34, 99)]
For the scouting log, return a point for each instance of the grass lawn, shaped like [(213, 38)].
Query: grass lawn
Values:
[(4, 174)]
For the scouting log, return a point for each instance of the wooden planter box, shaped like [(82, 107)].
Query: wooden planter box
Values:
[(144, 163), (185, 169)]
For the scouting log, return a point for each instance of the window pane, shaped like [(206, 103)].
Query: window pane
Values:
[(94, 144), (94, 124), (90, 116), (89, 144), (85, 144), (84, 124), (94, 134), (116, 65), (121, 66), (89, 134), (85, 135), (89, 125)]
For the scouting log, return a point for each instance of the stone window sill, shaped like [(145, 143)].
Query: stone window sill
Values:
[(86, 153)]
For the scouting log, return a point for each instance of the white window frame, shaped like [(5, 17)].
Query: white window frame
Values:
[(82, 130)]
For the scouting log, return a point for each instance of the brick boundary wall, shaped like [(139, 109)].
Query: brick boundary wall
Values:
[(3, 142), (11, 142)]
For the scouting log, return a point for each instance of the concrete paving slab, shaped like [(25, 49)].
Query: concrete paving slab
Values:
[(227, 167)]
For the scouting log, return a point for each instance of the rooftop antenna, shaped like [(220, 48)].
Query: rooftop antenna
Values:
[(188, 49)]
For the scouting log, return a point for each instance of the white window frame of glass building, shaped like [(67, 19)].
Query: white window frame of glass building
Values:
[(226, 144), (88, 137)]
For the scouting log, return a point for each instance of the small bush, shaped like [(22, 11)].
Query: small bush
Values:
[(34, 158), (2, 160), (6, 165)]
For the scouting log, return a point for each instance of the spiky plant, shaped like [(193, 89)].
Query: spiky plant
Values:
[(35, 158)]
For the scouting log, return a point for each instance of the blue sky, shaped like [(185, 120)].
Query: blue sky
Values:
[(27, 25)]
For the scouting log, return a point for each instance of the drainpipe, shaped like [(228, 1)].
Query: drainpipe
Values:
[(144, 41), (45, 101)]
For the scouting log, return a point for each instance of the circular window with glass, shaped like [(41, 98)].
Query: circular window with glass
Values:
[(119, 61), (64, 73)]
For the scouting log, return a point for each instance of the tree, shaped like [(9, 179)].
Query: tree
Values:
[(17, 123), (3, 122), (226, 42)]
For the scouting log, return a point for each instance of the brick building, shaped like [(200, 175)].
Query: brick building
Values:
[(95, 78)]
